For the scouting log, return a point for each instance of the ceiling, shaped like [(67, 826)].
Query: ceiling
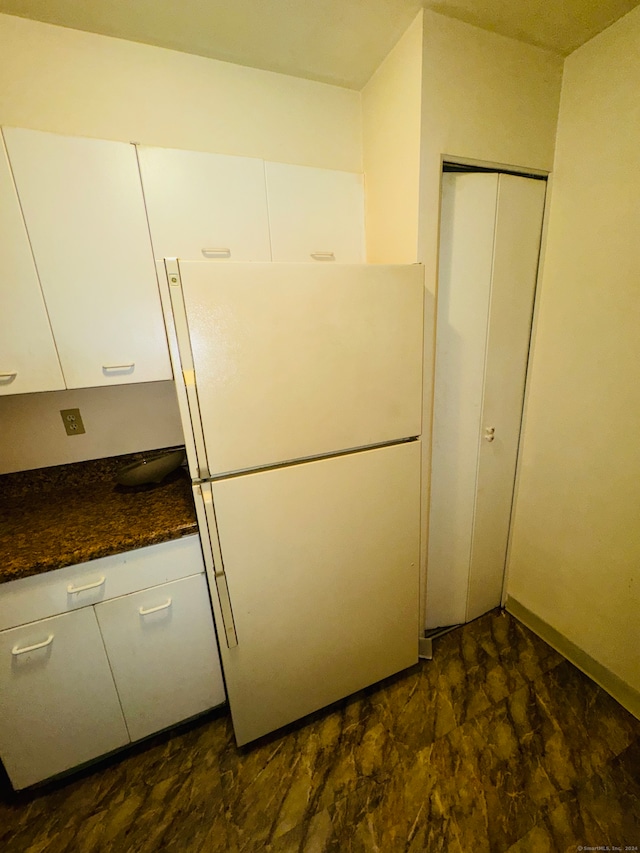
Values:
[(334, 41)]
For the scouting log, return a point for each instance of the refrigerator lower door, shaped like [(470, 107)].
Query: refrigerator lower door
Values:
[(321, 562)]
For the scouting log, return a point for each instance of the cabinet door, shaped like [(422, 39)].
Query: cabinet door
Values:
[(28, 357), (205, 205), (315, 214), (59, 703), (84, 210), (163, 654)]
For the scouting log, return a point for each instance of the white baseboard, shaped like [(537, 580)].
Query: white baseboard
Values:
[(622, 692)]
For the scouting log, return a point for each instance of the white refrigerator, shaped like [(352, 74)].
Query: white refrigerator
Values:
[(300, 389)]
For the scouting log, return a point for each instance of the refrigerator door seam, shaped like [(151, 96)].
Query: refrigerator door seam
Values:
[(303, 460)]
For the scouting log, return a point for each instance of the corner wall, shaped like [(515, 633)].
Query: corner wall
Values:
[(391, 151), (575, 551)]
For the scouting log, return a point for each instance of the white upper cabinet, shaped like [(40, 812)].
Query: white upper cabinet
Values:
[(315, 214), (28, 357), (205, 205), (84, 210)]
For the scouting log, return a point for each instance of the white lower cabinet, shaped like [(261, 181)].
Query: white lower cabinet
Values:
[(156, 642), (58, 703), (77, 685)]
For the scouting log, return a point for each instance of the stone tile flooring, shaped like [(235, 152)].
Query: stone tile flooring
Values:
[(496, 745)]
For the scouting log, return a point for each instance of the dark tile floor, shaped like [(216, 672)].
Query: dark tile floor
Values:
[(498, 744)]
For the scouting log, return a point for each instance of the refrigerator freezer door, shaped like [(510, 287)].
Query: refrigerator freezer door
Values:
[(294, 361), (321, 561)]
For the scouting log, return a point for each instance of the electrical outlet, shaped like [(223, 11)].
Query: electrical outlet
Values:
[(72, 420)]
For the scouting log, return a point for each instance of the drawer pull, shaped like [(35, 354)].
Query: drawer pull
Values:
[(164, 606), (18, 651), (323, 256), (8, 377), (71, 588), (109, 368), (216, 253)]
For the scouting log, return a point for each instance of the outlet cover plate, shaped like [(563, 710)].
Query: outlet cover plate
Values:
[(72, 420)]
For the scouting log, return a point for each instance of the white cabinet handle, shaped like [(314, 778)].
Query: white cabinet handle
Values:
[(18, 651), (216, 253), (8, 377), (120, 367), (164, 606), (94, 585), (323, 256)]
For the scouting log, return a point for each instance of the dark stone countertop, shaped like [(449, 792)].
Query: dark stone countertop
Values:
[(59, 516)]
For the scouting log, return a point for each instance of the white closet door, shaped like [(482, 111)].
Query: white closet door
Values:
[(300, 360), (321, 562), (515, 269), (490, 240), (205, 205), (467, 228), (163, 653), (315, 214), (28, 357), (83, 205), (59, 703)]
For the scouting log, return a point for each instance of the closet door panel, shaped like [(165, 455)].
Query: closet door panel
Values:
[(490, 239), (464, 286), (515, 266)]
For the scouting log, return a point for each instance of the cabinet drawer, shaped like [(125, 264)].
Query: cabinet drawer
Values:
[(59, 703), (72, 587), (162, 649)]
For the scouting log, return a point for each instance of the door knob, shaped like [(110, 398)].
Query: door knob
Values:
[(489, 433)]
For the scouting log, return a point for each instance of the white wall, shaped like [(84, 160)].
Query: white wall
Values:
[(391, 151), (77, 83), (487, 99), (575, 554), (117, 420), (67, 81)]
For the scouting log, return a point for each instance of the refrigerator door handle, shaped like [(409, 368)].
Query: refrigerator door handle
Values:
[(219, 576), (187, 379)]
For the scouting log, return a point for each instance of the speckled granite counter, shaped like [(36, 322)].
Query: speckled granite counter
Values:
[(68, 514)]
